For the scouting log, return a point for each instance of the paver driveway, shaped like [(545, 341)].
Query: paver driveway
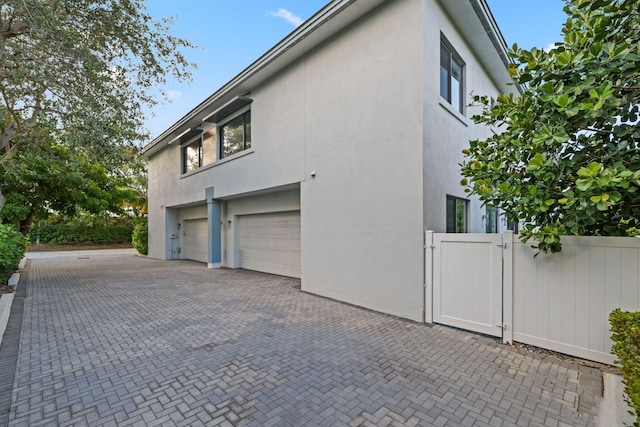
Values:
[(122, 340)]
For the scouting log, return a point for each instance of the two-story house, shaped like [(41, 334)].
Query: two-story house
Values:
[(328, 157)]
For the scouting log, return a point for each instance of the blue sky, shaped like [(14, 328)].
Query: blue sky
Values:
[(231, 34)]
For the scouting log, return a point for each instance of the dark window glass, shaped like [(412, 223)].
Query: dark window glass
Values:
[(451, 73), (456, 215), (236, 135), (492, 220), (192, 156)]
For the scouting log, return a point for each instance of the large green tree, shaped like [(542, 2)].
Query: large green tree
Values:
[(50, 176), (89, 66), (565, 158)]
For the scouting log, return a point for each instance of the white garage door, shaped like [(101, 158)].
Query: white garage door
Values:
[(270, 243), (195, 235)]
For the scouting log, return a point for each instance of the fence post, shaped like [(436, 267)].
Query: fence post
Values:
[(428, 277), (507, 286)]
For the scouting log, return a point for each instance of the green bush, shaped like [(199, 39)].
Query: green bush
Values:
[(626, 337), (82, 233), (140, 237), (12, 248)]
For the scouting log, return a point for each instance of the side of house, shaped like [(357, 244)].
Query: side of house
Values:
[(327, 157)]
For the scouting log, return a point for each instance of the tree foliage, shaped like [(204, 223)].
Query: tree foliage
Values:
[(12, 248), (565, 158), (50, 176), (81, 62)]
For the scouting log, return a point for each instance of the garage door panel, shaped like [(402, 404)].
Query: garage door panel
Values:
[(270, 243), (195, 239)]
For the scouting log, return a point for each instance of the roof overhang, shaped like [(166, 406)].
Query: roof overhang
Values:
[(328, 21), (473, 17)]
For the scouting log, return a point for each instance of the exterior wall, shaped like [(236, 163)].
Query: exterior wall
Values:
[(349, 127), (265, 203), (362, 212), (446, 131), (275, 159)]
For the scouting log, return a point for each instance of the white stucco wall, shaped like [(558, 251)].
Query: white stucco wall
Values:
[(362, 112), (446, 131), (362, 213)]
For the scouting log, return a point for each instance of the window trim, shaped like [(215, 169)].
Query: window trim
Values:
[(220, 136), (466, 213), (183, 148), (453, 56)]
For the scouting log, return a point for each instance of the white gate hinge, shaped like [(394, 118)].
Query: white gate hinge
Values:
[(503, 326)]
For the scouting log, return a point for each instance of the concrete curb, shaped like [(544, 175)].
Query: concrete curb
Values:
[(614, 411), (6, 300), (5, 309), (14, 279)]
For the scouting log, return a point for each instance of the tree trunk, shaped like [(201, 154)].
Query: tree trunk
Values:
[(25, 225), (1, 199)]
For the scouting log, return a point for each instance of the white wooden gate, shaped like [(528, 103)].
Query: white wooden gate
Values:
[(467, 276)]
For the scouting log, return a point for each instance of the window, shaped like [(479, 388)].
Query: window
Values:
[(235, 135), (456, 215), (491, 218), (192, 155), (451, 72)]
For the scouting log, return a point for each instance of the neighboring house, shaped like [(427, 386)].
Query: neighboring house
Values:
[(328, 157)]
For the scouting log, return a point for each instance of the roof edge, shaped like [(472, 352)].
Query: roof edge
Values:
[(316, 21)]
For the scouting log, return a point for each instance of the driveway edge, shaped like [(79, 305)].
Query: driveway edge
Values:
[(10, 345), (5, 309)]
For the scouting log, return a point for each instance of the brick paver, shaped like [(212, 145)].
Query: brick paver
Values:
[(122, 340)]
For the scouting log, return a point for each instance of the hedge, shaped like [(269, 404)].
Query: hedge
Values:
[(12, 248), (79, 233), (626, 337), (140, 237)]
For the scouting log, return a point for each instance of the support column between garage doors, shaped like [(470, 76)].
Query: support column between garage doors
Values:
[(270, 242)]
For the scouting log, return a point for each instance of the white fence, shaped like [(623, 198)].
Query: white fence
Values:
[(561, 301)]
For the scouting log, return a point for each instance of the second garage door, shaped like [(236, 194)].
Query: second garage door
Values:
[(270, 243), (195, 235)]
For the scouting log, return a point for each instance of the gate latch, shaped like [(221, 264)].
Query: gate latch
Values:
[(502, 326)]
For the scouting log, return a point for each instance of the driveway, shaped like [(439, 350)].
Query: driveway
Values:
[(116, 339)]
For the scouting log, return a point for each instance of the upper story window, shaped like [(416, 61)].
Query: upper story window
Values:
[(457, 212), (235, 135), (451, 77), (192, 155), (198, 151)]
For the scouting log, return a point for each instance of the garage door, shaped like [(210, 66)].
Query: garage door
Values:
[(270, 243), (194, 243)]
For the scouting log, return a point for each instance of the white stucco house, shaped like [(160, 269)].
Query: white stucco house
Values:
[(328, 157)]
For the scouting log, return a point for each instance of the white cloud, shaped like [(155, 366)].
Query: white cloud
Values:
[(172, 95), (550, 47), (294, 20)]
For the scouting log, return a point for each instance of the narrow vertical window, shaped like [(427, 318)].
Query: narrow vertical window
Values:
[(451, 77), (456, 215), (491, 218), (192, 156)]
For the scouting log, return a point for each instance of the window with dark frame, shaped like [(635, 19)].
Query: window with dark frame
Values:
[(457, 215), (235, 135), (192, 155), (492, 218), (451, 77)]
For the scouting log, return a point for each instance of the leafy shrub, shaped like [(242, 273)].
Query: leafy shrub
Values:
[(12, 248), (140, 237), (81, 233), (626, 336)]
